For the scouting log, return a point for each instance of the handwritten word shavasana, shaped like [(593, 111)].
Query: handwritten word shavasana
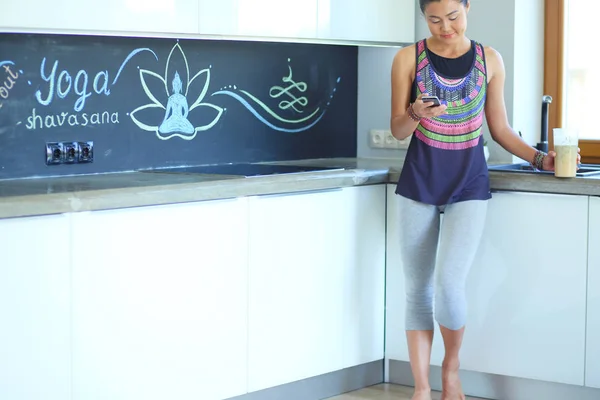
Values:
[(35, 121)]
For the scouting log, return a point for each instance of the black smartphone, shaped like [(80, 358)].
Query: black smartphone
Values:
[(431, 99)]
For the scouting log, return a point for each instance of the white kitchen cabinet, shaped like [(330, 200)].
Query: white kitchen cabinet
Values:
[(158, 16), (316, 283), (391, 21), (358, 20), (526, 290), (592, 377), (267, 18), (160, 302), (35, 312), (395, 339)]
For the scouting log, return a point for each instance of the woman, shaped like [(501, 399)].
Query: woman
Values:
[(445, 170)]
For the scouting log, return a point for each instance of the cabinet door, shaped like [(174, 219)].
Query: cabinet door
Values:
[(361, 255), (592, 377), (382, 21), (35, 356), (270, 18), (395, 339), (525, 291), (160, 302), (174, 16), (316, 283)]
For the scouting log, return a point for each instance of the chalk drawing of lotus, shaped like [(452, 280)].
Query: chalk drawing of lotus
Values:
[(169, 113)]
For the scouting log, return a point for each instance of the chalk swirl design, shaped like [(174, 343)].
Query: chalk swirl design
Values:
[(278, 91), (169, 113), (294, 103)]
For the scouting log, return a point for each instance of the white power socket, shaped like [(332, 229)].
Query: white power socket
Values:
[(376, 139), (383, 139)]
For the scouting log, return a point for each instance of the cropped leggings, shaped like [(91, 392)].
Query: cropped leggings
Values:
[(436, 263)]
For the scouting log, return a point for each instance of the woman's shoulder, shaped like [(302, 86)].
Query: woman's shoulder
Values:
[(494, 63), (493, 59), (405, 58), (491, 54), (406, 52)]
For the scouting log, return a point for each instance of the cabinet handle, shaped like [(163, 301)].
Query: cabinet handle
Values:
[(300, 192)]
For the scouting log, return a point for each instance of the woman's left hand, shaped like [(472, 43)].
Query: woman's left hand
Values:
[(548, 164)]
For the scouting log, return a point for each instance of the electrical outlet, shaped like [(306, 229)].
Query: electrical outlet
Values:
[(390, 141), (383, 139), (86, 152), (403, 144), (376, 139), (70, 152), (54, 153)]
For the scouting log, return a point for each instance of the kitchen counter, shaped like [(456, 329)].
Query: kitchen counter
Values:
[(41, 196)]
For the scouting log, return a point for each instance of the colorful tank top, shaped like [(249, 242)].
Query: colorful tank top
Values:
[(445, 161)]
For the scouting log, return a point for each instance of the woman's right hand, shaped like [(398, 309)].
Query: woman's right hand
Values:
[(427, 110)]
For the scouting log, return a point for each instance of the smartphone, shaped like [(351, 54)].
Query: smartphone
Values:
[(431, 99)]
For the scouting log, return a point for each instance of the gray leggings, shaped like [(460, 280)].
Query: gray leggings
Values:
[(456, 247)]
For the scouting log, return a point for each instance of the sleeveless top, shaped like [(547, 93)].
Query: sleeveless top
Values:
[(445, 161)]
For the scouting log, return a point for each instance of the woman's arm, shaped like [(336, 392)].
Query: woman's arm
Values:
[(495, 110), (402, 123)]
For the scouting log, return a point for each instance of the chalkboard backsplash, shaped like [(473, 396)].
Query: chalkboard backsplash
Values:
[(154, 103)]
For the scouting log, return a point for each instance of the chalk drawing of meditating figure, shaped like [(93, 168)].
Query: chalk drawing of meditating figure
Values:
[(177, 111)]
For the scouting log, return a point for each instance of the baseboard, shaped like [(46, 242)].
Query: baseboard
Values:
[(323, 386), (496, 387)]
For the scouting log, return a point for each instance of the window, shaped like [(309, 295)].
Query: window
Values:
[(570, 77)]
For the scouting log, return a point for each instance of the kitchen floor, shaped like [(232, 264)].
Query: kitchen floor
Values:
[(385, 391)]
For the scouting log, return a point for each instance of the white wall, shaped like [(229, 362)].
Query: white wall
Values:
[(518, 36), (529, 67), (374, 97)]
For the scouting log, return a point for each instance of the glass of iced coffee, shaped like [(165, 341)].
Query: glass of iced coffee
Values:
[(566, 142)]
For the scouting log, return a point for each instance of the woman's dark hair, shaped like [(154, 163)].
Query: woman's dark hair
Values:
[(424, 3)]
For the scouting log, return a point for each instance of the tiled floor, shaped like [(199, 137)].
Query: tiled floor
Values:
[(384, 392)]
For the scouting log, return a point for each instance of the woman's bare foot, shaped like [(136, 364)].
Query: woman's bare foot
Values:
[(422, 395), (451, 386)]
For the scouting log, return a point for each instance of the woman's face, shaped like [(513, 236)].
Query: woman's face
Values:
[(447, 19)]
